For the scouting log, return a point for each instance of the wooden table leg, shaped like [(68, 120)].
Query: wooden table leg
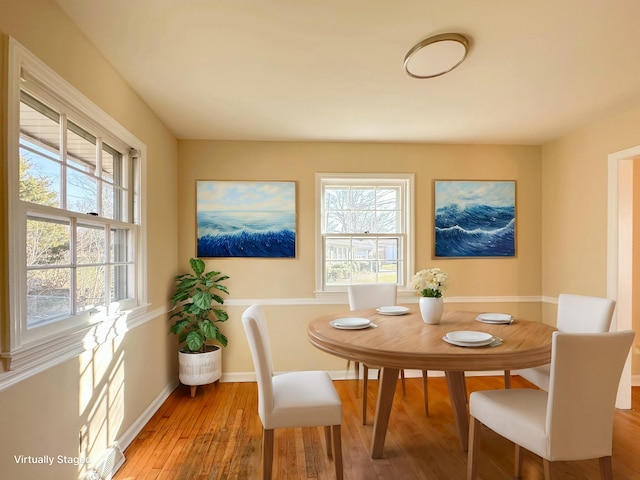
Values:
[(386, 390), (458, 395)]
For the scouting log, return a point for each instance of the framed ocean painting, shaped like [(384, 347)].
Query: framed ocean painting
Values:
[(246, 219), (475, 218)]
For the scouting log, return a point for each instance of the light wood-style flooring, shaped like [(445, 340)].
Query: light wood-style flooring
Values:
[(217, 435)]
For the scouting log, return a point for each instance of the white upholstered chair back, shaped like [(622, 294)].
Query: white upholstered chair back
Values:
[(255, 326), (585, 373), (292, 399), (365, 296), (576, 314), (372, 295), (583, 314), (574, 419)]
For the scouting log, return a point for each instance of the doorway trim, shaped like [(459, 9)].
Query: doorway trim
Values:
[(620, 252)]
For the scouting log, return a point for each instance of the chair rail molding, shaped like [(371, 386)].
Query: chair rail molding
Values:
[(340, 298)]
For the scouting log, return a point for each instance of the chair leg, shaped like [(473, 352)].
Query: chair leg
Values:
[(404, 390), (327, 439), (606, 470), (267, 453), (356, 368), (518, 461), (507, 379), (337, 451), (425, 388), (474, 445), (365, 387), (546, 464)]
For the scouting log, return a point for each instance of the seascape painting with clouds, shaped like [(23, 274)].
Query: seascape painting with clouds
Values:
[(475, 218), (246, 219)]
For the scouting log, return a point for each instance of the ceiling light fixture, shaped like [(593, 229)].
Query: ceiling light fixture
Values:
[(436, 55)]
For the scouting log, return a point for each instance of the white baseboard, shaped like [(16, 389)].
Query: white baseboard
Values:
[(635, 380)]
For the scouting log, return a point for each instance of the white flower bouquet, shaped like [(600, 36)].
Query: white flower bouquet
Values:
[(431, 282)]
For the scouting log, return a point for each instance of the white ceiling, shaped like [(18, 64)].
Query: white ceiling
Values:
[(332, 70)]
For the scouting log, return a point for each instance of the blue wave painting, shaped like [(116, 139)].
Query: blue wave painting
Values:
[(246, 219), (475, 219)]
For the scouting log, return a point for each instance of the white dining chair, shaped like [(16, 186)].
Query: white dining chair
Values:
[(576, 314), (574, 419), (365, 296), (293, 399)]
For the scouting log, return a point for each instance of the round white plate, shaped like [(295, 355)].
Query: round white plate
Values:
[(392, 310), (350, 323), (494, 318), (467, 344), (469, 336)]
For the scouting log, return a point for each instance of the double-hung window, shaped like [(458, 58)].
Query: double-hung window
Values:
[(365, 229), (74, 197)]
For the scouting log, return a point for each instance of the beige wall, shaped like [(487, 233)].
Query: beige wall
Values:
[(292, 281), (574, 206), (106, 389)]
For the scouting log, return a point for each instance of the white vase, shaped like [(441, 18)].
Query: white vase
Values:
[(431, 309)]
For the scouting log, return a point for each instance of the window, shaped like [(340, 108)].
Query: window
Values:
[(74, 264), (74, 186), (365, 230)]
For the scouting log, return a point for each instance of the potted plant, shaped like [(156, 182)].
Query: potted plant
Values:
[(195, 300)]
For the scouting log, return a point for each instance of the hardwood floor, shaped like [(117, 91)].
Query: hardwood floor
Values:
[(217, 435)]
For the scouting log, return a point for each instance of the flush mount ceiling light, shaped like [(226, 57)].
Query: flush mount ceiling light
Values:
[(436, 55)]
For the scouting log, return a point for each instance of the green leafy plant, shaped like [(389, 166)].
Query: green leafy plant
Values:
[(194, 303)]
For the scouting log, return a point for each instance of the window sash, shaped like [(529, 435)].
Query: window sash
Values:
[(92, 176), (58, 291), (355, 253), (116, 263), (350, 259)]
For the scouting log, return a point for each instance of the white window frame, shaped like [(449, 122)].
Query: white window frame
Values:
[(407, 180), (34, 349)]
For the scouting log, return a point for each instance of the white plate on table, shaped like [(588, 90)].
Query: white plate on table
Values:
[(350, 323), (472, 345), (494, 318), (392, 310), (468, 338)]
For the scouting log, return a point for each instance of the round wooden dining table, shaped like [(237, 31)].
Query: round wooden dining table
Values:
[(397, 342)]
